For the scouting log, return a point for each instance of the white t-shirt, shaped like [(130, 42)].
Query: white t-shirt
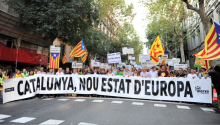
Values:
[(75, 74), (191, 76), (59, 73), (153, 74)]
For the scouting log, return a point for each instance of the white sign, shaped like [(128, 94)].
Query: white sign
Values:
[(144, 64), (76, 65), (172, 89), (178, 66), (144, 58), (109, 66), (170, 63), (137, 66), (164, 57), (94, 63), (133, 62), (128, 66), (127, 50), (151, 63), (119, 66), (176, 60), (114, 58), (131, 58), (54, 49), (104, 65), (122, 63)]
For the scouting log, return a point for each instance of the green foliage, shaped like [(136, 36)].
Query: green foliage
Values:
[(65, 19)]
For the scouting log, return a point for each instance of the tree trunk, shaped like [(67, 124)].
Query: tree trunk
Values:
[(182, 49), (172, 54), (205, 20)]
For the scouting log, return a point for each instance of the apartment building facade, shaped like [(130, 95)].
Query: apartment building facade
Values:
[(197, 35)]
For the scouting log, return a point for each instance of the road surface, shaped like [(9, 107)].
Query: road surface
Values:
[(104, 111)]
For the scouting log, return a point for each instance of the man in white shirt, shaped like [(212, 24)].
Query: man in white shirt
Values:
[(60, 72), (153, 73), (113, 70), (192, 75)]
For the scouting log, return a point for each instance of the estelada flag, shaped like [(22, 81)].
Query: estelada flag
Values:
[(85, 56), (212, 44), (54, 60), (64, 58), (156, 50), (79, 50)]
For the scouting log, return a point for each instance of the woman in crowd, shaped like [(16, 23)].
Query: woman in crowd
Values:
[(31, 73), (172, 74), (127, 72), (18, 74), (110, 72), (136, 73)]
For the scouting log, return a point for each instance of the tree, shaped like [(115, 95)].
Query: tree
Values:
[(201, 11), (64, 19), (169, 16)]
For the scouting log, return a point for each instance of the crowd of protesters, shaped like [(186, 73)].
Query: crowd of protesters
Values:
[(153, 72)]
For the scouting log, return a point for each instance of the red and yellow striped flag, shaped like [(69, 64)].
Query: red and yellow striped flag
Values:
[(79, 50), (156, 50), (54, 60), (212, 48), (64, 58), (85, 56)]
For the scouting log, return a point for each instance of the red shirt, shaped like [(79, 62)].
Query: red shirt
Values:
[(163, 73)]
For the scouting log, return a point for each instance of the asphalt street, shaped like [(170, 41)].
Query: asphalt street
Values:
[(104, 111)]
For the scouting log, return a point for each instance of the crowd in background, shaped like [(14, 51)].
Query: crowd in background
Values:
[(152, 72)]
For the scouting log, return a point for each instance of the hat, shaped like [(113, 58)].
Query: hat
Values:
[(203, 67), (118, 68)]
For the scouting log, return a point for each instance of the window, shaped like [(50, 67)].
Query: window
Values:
[(211, 22), (194, 40), (200, 41)]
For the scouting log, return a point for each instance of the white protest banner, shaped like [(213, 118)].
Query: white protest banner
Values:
[(144, 58), (178, 66), (128, 66), (131, 58), (138, 66), (170, 63), (119, 66), (186, 66), (75, 64), (105, 65), (94, 63), (151, 63), (164, 57), (114, 58), (132, 62), (166, 88), (176, 60), (122, 63), (102, 65), (127, 50), (54, 49), (144, 65)]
